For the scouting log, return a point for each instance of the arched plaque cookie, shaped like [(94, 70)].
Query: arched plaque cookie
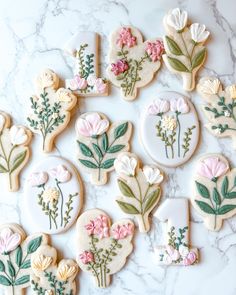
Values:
[(170, 129), (133, 62), (214, 194), (53, 193)]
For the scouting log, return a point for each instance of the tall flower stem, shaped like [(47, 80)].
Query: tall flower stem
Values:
[(179, 131), (141, 202), (62, 200)]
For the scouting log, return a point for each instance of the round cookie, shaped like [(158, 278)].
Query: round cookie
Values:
[(53, 194), (170, 129)]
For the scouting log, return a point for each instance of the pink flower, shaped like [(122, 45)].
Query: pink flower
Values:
[(122, 231), (90, 227), (38, 178), (78, 83), (179, 105), (190, 258), (159, 106), (100, 86), (99, 227), (92, 125), (171, 255), (60, 173), (126, 38), (212, 168), (155, 50), (9, 241), (86, 257), (119, 67)]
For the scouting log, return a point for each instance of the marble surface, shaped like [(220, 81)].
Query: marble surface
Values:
[(33, 34)]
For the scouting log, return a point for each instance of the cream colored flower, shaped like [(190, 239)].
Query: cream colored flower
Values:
[(55, 115), (210, 86), (227, 114), (50, 195), (64, 95), (232, 91), (41, 262), (49, 292), (47, 78), (65, 271), (2, 122), (169, 123)]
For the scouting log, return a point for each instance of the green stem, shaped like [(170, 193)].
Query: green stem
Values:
[(141, 202), (136, 74), (95, 272), (3, 151), (62, 200), (8, 165), (179, 131)]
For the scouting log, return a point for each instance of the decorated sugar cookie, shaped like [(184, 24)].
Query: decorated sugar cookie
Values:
[(220, 109), (53, 193), (185, 53), (83, 46), (170, 129), (99, 143), (133, 62), (16, 250), (103, 248), (214, 190), (177, 250), (50, 108), (140, 188), (49, 278), (14, 151)]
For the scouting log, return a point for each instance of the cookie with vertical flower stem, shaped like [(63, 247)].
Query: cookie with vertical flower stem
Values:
[(50, 108), (220, 107), (103, 247), (132, 62), (169, 129), (140, 188), (53, 193), (185, 53), (214, 195), (16, 250), (51, 278), (99, 143), (83, 46), (14, 151)]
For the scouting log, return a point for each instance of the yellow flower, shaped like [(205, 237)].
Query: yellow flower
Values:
[(50, 195), (65, 271), (232, 91), (41, 262), (64, 95), (47, 78), (169, 123), (209, 86)]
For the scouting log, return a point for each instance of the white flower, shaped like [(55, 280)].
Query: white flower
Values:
[(38, 178), (169, 123), (153, 175), (49, 292), (91, 125), (125, 165), (18, 135), (198, 33), (171, 255), (209, 86), (183, 250), (177, 19), (179, 105), (159, 106), (227, 114), (2, 122), (91, 80), (50, 195), (60, 173), (55, 115), (64, 95)]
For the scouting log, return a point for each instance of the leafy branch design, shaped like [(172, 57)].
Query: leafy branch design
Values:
[(187, 139)]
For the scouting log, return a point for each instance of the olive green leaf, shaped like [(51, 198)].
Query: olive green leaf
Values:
[(34, 244), (202, 190), (205, 207), (125, 189), (85, 150), (216, 196), (225, 186), (19, 159), (4, 281), (23, 280), (115, 148), (127, 208), (120, 130), (3, 169), (88, 164), (104, 142), (151, 200), (198, 58), (173, 46), (19, 255), (225, 209), (107, 164), (177, 65)]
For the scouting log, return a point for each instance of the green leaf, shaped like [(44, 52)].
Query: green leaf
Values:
[(2, 266), (88, 164), (120, 130), (115, 148), (11, 268), (127, 208), (23, 280), (108, 163), (151, 200), (97, 150), (19, 159), (4, 281), (104, 142), (173, 46), (198, 58), (125, 189), (19, 255), (225, 209), (34, 244), (225, 186), (216, 196), (177, 65), (85, 150), (205, 207), (3, 169), (26, 264), (202, 190), (231, 195)]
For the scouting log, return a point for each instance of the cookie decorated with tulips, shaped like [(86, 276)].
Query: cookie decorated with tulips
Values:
[(139, 188), (185, 52), (16, 250), (132, 62), (103, 247), (50, 108), (14, 151), (99, 143), (220, 107)]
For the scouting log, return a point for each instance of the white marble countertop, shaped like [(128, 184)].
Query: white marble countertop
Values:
[(32, 34)]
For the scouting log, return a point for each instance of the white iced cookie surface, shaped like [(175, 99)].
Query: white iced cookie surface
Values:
[(53, 193), (169, 129), (214, 194), (132, 62)]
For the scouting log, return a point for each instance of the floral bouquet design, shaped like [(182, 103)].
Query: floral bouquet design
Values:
[(215, 191), (140, 188), (48, 278), (133, 62), (221, 107), (14, 150), (185, 52), (102, 247), (100, 143)]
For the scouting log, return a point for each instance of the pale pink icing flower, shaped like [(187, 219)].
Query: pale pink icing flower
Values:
[(38, 178), (91, 79), (155, 50), (171, 255), (92, 125), (78, 83), (212, 168), (190, 258), (119, 67), (122, 231), (126, 38), (100, 86), (9, 241), (60, 173), (99, 226), (86, 257), (158, 106), (179, 105), (73, 85)]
